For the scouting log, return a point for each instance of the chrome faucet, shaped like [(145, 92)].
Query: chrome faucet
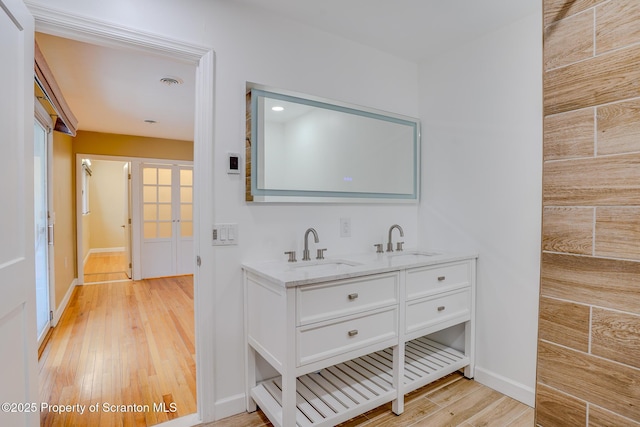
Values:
[(305, 253), (390, 245)]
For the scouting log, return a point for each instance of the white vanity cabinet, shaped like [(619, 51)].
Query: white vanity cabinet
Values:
[(344, 343)]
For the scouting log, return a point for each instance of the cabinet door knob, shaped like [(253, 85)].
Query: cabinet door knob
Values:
[(353, 333), (353, 296), (441, 308), (441, 278)]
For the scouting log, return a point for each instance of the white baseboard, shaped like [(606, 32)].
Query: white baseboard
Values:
[(63, 304), (229, 406), (103, 250), (505, 386), (186, 421)]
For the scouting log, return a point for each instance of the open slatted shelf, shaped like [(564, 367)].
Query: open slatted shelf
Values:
[(330, 396)]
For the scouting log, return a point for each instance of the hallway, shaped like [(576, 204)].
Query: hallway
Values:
[(127, 348)]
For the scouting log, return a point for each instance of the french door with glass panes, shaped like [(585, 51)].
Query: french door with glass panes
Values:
[(167, 220)]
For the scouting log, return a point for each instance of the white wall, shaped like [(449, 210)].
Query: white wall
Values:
[(481, 111), (268, 50)]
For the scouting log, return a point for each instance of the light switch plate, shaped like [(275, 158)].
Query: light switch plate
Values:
[(224, 234)]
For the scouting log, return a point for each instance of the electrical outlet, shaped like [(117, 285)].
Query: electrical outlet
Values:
[(345, 227)]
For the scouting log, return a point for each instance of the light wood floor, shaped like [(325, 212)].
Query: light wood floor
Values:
[(125, 343), (105, 267), (451, 401)]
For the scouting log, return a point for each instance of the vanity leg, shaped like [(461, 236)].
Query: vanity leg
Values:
[(288, 400), (251, 378), (397, 406)]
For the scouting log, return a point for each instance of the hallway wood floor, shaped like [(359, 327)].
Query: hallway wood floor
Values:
[(450, 401), (103, 267), (125, 343)]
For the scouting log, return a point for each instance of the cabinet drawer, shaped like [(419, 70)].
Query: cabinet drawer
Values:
[(426, 312), (428, 281), (316, 342), (316, 303)]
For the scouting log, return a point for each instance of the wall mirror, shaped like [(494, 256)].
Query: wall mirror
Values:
[(306, 149)]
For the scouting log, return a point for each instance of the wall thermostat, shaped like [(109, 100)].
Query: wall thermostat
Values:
[(233, 163)]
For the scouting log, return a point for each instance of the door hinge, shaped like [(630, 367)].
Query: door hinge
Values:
[(129, 177), (129, 221), (198, 261), (50, 315), (129, 265)]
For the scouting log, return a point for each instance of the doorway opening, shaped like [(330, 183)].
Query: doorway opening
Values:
[(50, 21), (105, 220)]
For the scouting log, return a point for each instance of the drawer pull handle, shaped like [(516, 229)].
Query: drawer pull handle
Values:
[(441, 278), (441, 308), (353, 296), (353, 333)]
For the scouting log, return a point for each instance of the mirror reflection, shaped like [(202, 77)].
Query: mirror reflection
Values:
[(328, 152)]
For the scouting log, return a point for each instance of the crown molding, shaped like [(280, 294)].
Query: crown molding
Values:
[(65, 24)]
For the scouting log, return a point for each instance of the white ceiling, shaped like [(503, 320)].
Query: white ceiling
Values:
[(114, 91)]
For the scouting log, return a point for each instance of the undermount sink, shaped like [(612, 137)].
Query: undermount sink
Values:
[(324, 266)]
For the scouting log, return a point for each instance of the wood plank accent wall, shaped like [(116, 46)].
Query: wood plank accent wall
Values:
[(588, 371)]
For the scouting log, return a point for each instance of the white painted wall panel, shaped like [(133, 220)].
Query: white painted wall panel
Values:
[(481, 109)]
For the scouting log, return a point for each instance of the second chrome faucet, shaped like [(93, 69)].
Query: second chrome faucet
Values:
[(390, 244), (305, 252)]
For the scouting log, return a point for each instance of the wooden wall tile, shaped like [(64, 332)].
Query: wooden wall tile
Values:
[(617, 24), (569, 135), (568, 230), (600, 80), (607, 384), (564, 323), (569, 40), (595, 281), (616, 336), (619, 127), (599, 417), (555, 10), (618, 232), (556, 409), (592, 182)]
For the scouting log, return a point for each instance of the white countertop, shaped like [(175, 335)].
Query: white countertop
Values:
[(291, 274)]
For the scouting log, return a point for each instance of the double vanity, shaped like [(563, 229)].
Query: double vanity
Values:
[(348, 334)]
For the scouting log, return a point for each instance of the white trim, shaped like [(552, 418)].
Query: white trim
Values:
[(203, 220), (81, 28), (63, 304), (506, 386), (186, 421), (103, 250), (90, 30), (231, 406)]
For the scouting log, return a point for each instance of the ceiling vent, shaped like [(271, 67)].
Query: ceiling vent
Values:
[(170, 81)]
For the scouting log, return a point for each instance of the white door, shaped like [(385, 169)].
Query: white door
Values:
[(167, 220), (43, 229), (18, 348)]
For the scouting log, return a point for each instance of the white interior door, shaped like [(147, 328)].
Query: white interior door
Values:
[(167, 220), (42, 230), (18, 348)]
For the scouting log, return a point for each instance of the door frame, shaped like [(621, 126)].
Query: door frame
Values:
[(81, 28), (43, 117)]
